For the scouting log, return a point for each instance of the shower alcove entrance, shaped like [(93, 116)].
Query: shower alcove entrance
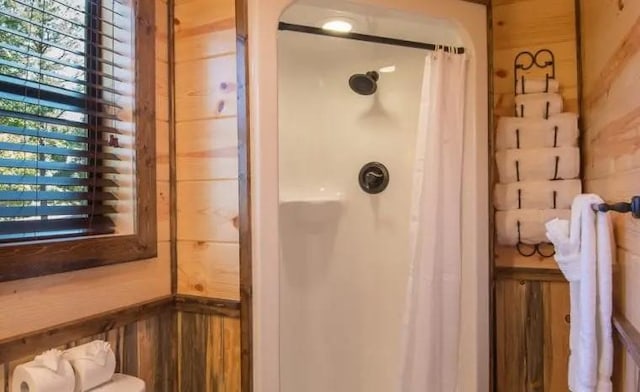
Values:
[(333, 165)]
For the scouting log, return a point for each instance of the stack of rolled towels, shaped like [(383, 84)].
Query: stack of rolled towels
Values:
[(538, 163), (77, 369)]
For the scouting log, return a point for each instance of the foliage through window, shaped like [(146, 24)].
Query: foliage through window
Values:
[(66, 117)]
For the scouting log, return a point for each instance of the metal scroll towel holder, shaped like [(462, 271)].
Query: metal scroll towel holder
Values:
[(543, 60)]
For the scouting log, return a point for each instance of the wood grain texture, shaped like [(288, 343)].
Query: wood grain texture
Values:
[(208, 353), (206, 149), (531, 335), (209, 269), (138, 337), (610, 60)]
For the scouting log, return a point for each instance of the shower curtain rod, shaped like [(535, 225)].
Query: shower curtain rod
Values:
[(365, 37)]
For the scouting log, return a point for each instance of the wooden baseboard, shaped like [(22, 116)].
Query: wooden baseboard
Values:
[(34, 342)]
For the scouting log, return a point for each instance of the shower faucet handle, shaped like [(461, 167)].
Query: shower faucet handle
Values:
[(373, 177)]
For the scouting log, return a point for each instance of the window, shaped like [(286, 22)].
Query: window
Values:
[(77, 168)]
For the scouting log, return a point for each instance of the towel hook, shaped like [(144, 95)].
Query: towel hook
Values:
[(623, 207)]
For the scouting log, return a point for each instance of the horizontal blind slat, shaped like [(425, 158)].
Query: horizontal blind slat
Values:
[(21, 164), (51, 195), (14, 212), (57, 121), (58, 181), (38, 149), (7, 129)]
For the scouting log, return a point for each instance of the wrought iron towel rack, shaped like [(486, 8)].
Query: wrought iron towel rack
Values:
[(633, 207)]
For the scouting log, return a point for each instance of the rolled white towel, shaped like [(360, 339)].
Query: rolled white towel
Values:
[(538, 164), (532, 225), (535, 105), (537, 195), (537, 85), (537, 132)]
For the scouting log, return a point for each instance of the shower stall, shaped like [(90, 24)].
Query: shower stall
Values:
[(335, 123)]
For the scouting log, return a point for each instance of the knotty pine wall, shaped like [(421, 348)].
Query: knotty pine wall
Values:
[(531, 296), (207, 148), (38, 303), (611, 145), (141, 347)]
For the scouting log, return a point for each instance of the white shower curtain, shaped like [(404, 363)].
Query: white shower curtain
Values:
[(431, 334)]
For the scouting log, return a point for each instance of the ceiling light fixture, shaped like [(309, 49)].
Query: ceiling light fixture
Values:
[(338, 25)]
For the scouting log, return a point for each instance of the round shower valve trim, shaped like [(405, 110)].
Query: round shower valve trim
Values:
[(373, 177)]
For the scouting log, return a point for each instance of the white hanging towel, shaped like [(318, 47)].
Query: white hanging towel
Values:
[(538, 105), (538, 164), (531, 225), (585, 253), (536, 195), (537, 85), (560, 130)]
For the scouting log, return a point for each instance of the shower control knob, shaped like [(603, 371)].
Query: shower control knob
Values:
[(373, 177)]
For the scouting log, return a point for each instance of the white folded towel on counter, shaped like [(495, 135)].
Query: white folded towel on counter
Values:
[(536, 195), (537, 85), (538, 164), (532, 229), (535, 105), (537, 132)]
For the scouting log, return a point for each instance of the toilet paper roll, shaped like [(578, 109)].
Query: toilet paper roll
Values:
[(94, 364), (35, 378)]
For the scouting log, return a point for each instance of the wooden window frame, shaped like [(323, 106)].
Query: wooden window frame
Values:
[(39, 258)]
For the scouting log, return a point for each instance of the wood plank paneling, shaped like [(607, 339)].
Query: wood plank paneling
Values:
[(209, 353), (143, 349), (532, 335), (207, 148), (610, 60)]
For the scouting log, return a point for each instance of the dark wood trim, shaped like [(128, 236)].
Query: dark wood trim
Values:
[(628, 336), (202, 305), (50, 257), (529, 274), (173, 177), (492, 181), (483, 2), (21, 346), (244, 181)]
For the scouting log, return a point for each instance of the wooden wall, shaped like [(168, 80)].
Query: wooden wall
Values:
[(141, 347), (208, 352), (34, 304), (531, 297), (207, 148), (611, 140)]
